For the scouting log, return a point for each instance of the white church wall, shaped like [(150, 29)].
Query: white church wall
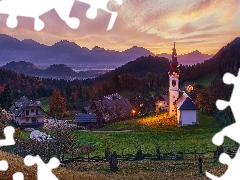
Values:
[(189, 117)]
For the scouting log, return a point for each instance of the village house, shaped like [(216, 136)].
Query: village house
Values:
[(27, 113), (162, 103), (111, 108)]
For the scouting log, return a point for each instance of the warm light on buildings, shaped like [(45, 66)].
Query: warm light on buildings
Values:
[(189, 88), (134, 111)]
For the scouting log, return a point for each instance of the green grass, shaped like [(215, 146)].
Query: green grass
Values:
[(205, 80), (45, 103), (148, 136)]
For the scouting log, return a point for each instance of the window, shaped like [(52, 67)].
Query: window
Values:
[(34, 119), (32, 110), (36, 111), (27, 112), (27, 119), (174, 83)]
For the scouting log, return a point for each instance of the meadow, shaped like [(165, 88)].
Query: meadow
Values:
[(147, 133), (151, 131)]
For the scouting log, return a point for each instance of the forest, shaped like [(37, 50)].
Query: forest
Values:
[(144, 75)]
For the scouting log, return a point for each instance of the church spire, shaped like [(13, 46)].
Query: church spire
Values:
[(174, 63), (174, 57)]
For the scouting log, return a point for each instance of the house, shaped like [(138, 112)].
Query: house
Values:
[(87, 120), (111, 108), (27, 113), (188, 86), (162, 103)]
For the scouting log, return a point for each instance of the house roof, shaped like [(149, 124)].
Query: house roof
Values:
[(166, 97), (112, 97), (86, 109), (113, 109), (188, 104), (22, 104), (85, 118), (161, 98)]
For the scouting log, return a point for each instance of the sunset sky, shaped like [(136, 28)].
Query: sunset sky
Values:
[(204, 25)]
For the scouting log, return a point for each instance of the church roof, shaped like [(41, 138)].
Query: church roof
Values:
[(188, 104)]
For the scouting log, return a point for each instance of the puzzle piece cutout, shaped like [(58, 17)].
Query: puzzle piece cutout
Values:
[(44, 170), (101, 4), (233, 172), (230, 131), (18, 176), (9, 140), (36, 8)]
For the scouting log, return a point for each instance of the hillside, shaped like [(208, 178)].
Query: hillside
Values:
[(140, 67), (58, 71), (23, 67)]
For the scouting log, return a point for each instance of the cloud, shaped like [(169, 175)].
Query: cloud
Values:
[(153, 24)]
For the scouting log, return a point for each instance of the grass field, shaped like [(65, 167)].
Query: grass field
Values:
[(149, 132), (205, 80), (137, 170), (45, 103)]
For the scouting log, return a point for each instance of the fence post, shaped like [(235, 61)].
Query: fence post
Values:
[(88, 158)]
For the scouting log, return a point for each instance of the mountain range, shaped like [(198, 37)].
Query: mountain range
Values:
[(72, 55)]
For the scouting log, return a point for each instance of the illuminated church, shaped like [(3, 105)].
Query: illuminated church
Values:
[(179, 103)]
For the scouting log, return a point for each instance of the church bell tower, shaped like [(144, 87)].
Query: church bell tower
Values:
[(173, 82)]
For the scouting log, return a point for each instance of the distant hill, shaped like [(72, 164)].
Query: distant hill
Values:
[(190, 58), (23, 67), (140, 67), (58, 71)]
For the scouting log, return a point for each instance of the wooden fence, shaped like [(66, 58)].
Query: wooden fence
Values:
[(154, 157)]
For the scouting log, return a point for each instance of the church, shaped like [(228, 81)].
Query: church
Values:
[(180, 104)]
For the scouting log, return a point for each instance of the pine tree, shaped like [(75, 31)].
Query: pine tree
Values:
[(57, 106), (6, 98)]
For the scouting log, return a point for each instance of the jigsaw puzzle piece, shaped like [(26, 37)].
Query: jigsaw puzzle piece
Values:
[(36, 8), (221, 104), (229, 131), (18, 176), (8, 132), (101, 4), (63, 9), (229, 78), (44, 170), (3, 165)]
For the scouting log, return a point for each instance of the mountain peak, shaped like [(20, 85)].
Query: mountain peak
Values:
[(97, 48), (236, 41), (66, 44)]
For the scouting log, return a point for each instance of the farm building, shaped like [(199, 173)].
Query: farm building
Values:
[(27, 113), (111, 108), (162, 103), (87, 120)]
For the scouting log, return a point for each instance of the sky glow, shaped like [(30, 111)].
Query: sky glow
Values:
[(204, 25)]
